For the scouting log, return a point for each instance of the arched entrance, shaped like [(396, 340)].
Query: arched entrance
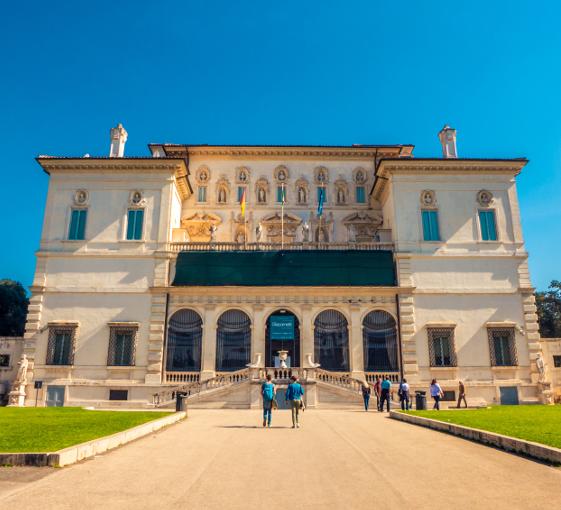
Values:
[(233, 341), (185, 332), (331, 341), (379, 334), (282, 332)]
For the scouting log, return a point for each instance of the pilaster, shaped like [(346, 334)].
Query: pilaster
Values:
[(208, 368), (306, 336), (258, 335), (356, 343)]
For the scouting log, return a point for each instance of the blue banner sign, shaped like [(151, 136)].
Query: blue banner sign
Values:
[(281, 327)]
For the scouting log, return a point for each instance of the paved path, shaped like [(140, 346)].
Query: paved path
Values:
[(223, 459)]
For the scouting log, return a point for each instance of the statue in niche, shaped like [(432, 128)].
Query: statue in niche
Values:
[(240, 236), (261, 196), (359, 177), (305, 232), (302, 199), (340, 196), (203, 176), (321, 235), (212, 231), (321, 176), (221, 196), (243, 177), (258, 232), (281, 175)]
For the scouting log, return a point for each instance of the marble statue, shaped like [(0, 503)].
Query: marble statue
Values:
[(21, 376), (305, 232), (541, 367), (258, 232)]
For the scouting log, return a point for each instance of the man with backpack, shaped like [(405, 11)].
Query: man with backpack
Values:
[(386, 393), (294, 394), (268, 392)]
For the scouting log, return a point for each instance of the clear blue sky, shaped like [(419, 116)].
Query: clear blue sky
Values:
[(310, 72)]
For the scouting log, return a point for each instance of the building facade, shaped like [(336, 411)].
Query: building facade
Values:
[(202, 262)]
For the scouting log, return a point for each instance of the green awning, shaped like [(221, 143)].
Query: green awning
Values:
[(295, 268)]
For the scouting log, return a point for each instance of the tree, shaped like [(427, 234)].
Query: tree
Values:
[(13, 308), (548, 304)]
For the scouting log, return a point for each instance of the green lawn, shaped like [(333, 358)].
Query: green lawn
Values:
[(540, 424), (48, 429)]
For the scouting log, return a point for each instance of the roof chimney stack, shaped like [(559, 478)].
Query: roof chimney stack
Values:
[(118, 140), (447, 137)]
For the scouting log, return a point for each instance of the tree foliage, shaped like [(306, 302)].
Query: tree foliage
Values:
[(549, 310), (13, 308)]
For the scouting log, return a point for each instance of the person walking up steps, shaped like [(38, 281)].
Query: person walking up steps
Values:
[(294, 394), (386, 390), (366, 391), (268, 392)]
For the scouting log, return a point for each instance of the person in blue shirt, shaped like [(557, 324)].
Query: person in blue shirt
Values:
[(294, 394), (268, 392), (386, 390)]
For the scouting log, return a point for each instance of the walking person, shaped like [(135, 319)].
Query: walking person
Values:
[(436, 393), (294, 394), (403, 394), (462, 395), (268, 392), (378, 391), (366, 391), (386, 386)]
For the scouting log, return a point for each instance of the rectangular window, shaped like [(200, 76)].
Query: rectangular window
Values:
[(122, 341), (319, 192), (4, 360), (77, 229), (118, 394), (360, 195), (241, 189), (430, 225), (557, 361), (442, 351), (280, 193), (488, 225), (502, 347), (60, 348), (202, 194), (135, 220)]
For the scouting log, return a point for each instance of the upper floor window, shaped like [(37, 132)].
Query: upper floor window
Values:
[(135, 220), (77, 230), (201, 197), (442, 351), (241, 190), (281, 196), (430, 225), (360, 195), (502, 347), (557, 361), (4, 360), (60, 347), (488, 225), (122, 340)]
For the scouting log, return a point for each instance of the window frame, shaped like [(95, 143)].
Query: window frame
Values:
[(493, 212), (434, 333), (135, 210), (55, 330), (513, 355), (429, 212), (241, 189), (7, 357), (363, 188), (557, 361), (199, 189), (69, 236), (114, 331)]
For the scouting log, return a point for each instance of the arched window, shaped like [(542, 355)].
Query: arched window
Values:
[(331, 341), (185, 334), (233, 341), (379, 334)]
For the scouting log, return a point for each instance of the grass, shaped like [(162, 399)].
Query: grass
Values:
[(49, 429), (540, 424)]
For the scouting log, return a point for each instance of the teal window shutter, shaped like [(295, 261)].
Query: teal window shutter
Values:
[(360, 195), (430, 225), (134, 224), (77, 229), (202, 194), (279, 194), (240, 193), (488, 225)]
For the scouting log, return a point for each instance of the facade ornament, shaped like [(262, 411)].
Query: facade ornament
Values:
[(484, 198), (136, 199), (81, 197), (202, 176), (262, 190), (341, 191), (21, 376), (306, 232), (311, 362), (16, 397), (222, 190), (360, 175), (302, 191), (321, 175), (212, 230), (274, 226), (362, 227), (281, 173), (242, 175), (200, 226), (428, 198), (540, 363), (258, 232)]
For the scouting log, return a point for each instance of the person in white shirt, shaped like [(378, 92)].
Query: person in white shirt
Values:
[(403, 394), (436, 393)]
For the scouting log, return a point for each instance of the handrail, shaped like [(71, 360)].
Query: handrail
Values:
[(177, 247), (340, 379)]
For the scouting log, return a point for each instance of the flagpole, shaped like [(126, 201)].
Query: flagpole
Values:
[(282, 216)]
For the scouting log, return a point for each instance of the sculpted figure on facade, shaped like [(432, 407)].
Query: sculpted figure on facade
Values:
[(199, 226), (540, 364), (258, 232), (21, 376)]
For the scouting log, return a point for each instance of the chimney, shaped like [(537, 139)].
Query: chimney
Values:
[(118, 139), (447, 137)]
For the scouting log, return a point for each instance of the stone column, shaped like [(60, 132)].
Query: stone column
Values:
[(355, 343), (258, 335), (306, 336), (208, 355)]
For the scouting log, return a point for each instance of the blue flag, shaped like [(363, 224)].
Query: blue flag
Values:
[(321, 198)]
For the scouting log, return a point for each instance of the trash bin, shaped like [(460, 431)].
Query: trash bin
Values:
[(420, 400), (180, 401)]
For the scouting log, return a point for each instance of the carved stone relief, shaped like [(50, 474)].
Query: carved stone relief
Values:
[(200, 226)]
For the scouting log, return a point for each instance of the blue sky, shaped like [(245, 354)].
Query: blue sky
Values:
[(310, 72)]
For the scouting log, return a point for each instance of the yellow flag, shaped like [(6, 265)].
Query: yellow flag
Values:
[(242, 204)]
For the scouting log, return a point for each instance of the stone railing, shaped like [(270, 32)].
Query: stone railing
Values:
[(284, 374), (340, 379), (194, 389), (181, 377), (177, 247), (392, 376)]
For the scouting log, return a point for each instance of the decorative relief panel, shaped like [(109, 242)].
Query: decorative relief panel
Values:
[(81, 197), (484, 198), (321, 175), (136, 199), (428, 199), (202, 175), (360, 175), (281, 174), (242, 175), (201, 226), (362, 226), (273, 227)]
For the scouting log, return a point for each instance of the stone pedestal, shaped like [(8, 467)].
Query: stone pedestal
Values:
[(545, 393), (16, 397)]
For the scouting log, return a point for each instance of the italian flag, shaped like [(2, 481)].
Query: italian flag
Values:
[(242, 204)]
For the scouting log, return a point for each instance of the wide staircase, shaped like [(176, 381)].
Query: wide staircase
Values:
[(241, 389)]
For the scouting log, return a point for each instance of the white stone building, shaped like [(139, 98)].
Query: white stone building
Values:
[(148, 276)]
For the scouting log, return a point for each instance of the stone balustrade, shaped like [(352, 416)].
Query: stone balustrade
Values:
[(177, 247), (392, 376), (181, 377)]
